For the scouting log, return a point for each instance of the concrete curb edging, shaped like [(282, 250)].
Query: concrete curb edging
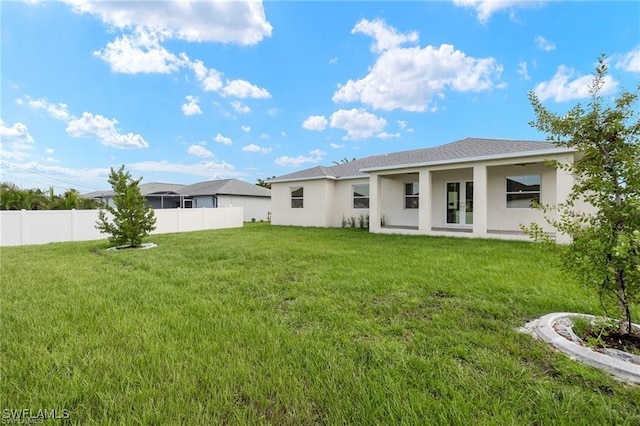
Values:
[(544, 329)]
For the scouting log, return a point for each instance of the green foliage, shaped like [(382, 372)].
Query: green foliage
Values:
[(14, 198), (605, 247), (132, 219), (264, 182)]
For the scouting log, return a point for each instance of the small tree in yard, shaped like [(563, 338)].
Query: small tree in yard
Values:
[(132, 219), (605, 247)]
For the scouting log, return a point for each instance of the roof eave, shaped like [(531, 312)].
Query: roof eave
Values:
[(471, 159), (304, 178)]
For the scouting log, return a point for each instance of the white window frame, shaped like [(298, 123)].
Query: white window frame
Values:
[(296, 198), (532, 193), (415, 196), (355, 197)]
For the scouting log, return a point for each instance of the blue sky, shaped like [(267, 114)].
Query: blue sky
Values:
[(187, 91)]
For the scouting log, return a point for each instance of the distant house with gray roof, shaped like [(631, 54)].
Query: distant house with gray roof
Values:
[(471, 187), (255, 200)]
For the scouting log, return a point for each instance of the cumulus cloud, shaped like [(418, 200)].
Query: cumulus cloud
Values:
[(139, 53), (358, 123), (485, 8), (243, 89), (544, 44), (629, 61), (199, 151), (104, 129), (335, 145), (191, 107), (315, 156), (245, 129), (411, 78), (58, 111), (239, 107), (315, 122), (385, 36), (256, 148), (522, 70), (385, 135), (333, 61), (16, 141), (566, 86), (241, 22), (223, 140), (210, 78)]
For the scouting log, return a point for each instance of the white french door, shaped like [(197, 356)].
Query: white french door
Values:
[(459, 199)]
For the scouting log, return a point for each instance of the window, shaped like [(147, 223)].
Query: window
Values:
[(361, 196), (297, 196), (411, 195), (523, 191)]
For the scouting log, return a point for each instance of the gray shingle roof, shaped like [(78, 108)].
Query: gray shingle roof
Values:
[(469, 148), (212, 187), (225, 187)]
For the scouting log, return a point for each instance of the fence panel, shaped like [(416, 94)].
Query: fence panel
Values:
[(27, 227)]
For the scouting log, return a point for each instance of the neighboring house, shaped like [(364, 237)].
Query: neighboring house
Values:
[(255, 200), (472, 187)]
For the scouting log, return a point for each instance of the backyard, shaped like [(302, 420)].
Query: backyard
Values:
[(285, 325)]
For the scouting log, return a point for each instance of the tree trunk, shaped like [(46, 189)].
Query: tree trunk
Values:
[(623, 304)]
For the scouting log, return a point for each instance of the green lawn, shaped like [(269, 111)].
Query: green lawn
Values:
[(283, 325)]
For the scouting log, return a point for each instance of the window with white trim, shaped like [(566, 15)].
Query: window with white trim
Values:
[(523, 191), (411, 195), (297, 197), (361, 196)]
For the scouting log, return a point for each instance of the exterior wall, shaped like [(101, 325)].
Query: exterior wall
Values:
[(499, 217), (257, 208), (47, 226), (342, 202), (204, 201), (391, 197), (318, 202)]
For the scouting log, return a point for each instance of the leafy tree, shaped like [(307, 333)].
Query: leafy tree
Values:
[(132, 219), (263, 182), (344, 160), (605, 244)]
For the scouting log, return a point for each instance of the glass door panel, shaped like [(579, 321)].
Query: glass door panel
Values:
[(453, 202), (468, 203)]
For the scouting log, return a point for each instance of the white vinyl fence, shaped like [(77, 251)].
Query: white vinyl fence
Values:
[(27, 227)]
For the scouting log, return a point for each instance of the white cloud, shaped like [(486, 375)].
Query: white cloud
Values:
[(191, 107), (412, 78), (240, 22), (256, 148), (315, 157), (522, 70), (264, 136), (223, 140), (57, 111), (243, 89), (315, 122), (239, 107), (561, 88), (49, 150), (630, 61), (333, 61), (336, 146), (139, 53), (385, 135), (385, 36), (209, 170), (199, 151), (486, 8), (358, 123), (97, 126), (16, 140), (210, 78), (403, 124), (245, 129), (544, 44), (273, 111), (283, 134)]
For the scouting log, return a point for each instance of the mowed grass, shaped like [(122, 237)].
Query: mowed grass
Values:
[(284, 325)]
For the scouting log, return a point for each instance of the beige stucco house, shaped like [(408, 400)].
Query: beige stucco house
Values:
[(472, 187)]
